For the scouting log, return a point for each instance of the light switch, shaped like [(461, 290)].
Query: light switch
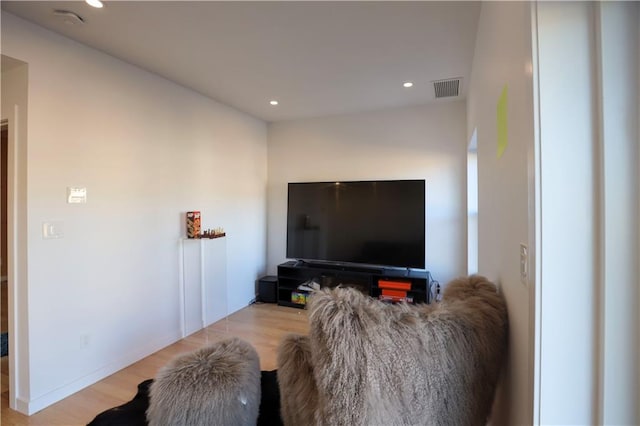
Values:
[(524, 264), (51, 230), (76, 195)]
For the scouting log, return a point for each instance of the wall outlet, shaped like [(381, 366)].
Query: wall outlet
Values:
[(54, 229), (85, 340)]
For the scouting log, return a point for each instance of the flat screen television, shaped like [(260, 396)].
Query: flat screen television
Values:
[(378, 223)]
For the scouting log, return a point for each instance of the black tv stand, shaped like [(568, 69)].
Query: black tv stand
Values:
[(366, 278), (339, 266)]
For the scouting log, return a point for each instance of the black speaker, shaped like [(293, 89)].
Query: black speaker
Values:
[(268, 289)]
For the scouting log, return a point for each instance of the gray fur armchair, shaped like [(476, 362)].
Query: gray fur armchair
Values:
[(369, 363), (215, 385)]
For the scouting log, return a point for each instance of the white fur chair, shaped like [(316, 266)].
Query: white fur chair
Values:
[(216, 385), (368, 363)]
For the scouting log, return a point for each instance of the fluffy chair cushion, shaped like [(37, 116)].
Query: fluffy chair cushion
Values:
[(370, 363), (298, 392), (215, 385)]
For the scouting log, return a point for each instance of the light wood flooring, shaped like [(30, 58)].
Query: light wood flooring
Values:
[(263, 325)]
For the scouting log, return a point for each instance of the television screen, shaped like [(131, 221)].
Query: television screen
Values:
[(369, 222)]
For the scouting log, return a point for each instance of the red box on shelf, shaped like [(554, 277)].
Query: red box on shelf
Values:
[(394, 293), (395, 284)]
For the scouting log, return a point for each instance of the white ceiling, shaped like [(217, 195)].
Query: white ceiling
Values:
[(316, 58)]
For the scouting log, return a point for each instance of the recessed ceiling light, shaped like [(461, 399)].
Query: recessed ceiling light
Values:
[(274, 102), (407, 84), (94, 3)]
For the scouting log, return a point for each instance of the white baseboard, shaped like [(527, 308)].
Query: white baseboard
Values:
[(41, 402), (21, 406)]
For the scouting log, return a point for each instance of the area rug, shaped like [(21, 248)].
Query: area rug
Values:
[(133, 413), (4, 344)]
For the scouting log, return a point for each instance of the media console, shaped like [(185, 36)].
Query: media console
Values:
[(367, 279)]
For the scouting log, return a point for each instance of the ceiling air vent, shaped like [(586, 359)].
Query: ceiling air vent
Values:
[(68, 17), (447, 88)]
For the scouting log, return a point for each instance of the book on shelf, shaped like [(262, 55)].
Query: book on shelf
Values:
[(396, 299), (310, 285), (299, 298)]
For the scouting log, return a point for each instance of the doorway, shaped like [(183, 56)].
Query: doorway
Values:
[(4, 306), (14, 81)]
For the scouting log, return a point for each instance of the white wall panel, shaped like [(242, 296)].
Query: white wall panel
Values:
[(147, 150), (502, 59), (406, 143)]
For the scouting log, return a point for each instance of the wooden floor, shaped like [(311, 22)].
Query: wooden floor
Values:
[(263, 325)]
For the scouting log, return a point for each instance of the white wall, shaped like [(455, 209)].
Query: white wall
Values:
[(619, 73), (567, 185), (472, 204), (619, 49), (410, 143), (147, 150), (588, 107), (502, 58), (570, 306)]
